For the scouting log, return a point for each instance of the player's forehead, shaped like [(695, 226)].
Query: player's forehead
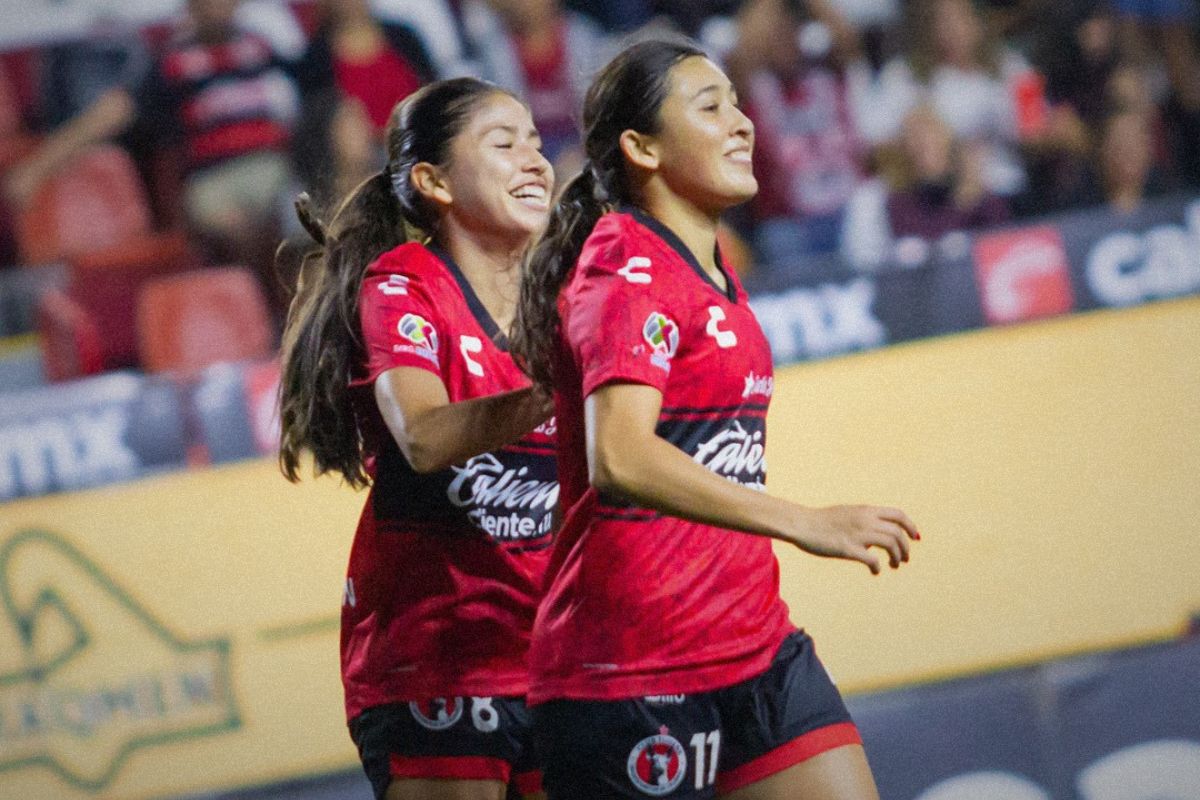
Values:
[(694, 77), (499, 111)]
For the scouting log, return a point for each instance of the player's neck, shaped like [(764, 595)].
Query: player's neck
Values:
[(493, 268), (694, 226)]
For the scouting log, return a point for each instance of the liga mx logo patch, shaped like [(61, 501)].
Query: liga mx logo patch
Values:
[(661, 333), (417, 330), (437, 714), (657, 764)]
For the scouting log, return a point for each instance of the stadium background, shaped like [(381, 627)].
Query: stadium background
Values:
[(1027, 392)]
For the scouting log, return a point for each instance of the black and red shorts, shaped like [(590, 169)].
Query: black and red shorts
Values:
[(449, 738), (694, 746)]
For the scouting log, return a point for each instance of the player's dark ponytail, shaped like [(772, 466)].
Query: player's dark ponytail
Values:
[(626, 95), (322, 341)]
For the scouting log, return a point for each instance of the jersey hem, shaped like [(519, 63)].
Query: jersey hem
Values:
[(679, 680), (356, 706)]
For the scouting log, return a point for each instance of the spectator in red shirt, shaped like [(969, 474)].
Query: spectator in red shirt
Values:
[(355, 70)]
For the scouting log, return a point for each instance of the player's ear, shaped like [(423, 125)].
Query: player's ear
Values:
[(640, 149), (431, 184)]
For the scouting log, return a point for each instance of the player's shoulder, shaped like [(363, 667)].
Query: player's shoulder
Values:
[(614, 239), (406, 264)]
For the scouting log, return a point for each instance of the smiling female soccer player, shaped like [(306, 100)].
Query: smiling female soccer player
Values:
[(396, 373), (663, 659)]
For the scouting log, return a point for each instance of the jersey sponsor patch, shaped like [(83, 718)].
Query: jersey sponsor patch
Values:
[(657, 764), (734, 449), (509, 502), (758, 385), (419, 331), (661, 333), (419, 337)]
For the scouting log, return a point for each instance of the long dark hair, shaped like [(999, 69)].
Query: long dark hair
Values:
[(322, 341), (626, 95)]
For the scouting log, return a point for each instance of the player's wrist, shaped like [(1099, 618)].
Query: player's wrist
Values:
[(781, 520)]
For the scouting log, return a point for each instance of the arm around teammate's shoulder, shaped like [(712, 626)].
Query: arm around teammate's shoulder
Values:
[(628, 459), (434, 433)]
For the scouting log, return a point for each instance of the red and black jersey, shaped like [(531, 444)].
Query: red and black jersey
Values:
[(225, 100), (446, 569), (643, 603)]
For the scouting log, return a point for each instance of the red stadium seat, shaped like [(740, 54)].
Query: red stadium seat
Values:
[(97, 202), (190, 321), (70, 339), (107, 283)]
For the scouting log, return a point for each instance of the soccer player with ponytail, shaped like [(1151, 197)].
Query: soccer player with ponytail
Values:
[(663, 659), (397, 375)]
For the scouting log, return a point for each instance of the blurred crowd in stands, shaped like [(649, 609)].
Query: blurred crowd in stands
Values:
[(882, 126)]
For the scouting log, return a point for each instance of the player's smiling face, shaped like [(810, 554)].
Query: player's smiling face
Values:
[(497, 177), (705, 142)]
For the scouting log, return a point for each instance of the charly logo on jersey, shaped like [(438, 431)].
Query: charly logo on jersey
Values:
[(419, 331), (758, 385), (630, 271), (395, 285), (737, 454), (725, 339), (657, 764), (661, 333), (504, 500), (469, 346), (437, 714)]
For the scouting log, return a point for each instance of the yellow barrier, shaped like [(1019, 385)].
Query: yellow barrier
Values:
[(179, 635), (184, 630), (1052, 469)]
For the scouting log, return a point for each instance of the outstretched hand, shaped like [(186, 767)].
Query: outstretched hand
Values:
[(850, 532)]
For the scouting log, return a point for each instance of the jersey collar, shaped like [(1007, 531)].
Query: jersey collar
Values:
[(478, 310), (676, 244)]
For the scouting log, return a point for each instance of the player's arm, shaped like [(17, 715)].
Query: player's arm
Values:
[(434, 433), (627, 458)]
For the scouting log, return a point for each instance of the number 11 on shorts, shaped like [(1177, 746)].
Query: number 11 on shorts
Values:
[(707, 748)]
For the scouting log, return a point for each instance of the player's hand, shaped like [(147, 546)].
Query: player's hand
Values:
[(850, 532)]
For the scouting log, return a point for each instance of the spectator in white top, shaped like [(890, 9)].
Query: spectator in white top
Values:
[(981, 90)]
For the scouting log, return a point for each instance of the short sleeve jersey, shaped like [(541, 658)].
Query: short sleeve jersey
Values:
[(446, 568), (642, 603)]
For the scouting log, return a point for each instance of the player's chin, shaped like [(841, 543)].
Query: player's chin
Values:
[(735, 191), (528, 217)]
